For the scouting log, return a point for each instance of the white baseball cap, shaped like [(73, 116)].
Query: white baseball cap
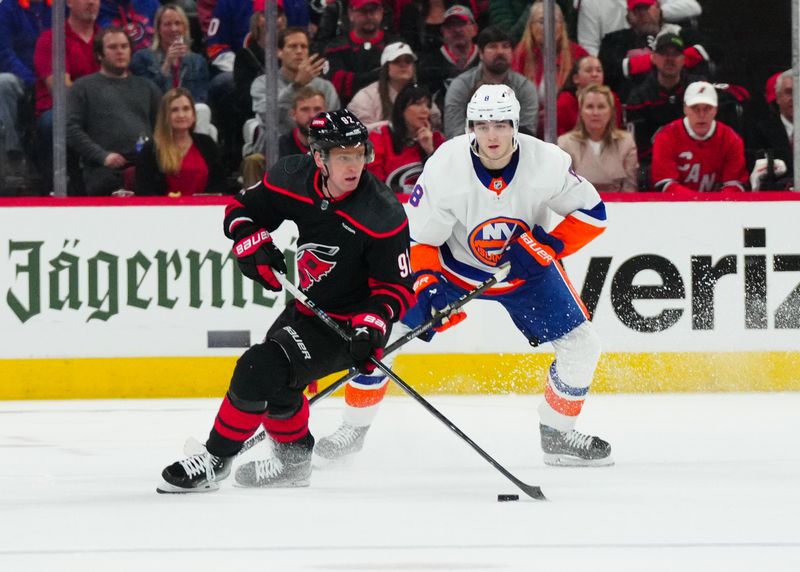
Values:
[(700, 92), (393, 51)]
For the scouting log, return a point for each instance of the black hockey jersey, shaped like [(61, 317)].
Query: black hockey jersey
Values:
[(352, 253)]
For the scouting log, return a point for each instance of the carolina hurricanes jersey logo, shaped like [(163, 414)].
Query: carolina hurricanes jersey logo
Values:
[(489, 238), (313, 263), (403, 179)]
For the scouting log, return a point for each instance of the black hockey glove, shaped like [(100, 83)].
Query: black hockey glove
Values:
[(258, 256), (370, 332)]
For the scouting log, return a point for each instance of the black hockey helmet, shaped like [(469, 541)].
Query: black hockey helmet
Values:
[(331, 129)]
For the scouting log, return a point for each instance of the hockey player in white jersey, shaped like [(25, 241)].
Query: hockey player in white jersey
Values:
[(485, 198)]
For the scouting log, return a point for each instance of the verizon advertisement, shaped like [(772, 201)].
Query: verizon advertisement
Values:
[(142, 281)]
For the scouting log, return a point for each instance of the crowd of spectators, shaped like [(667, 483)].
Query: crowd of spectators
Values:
[(170, 97)]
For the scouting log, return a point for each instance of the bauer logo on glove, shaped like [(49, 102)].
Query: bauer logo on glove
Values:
[(258, 257), (247, 246), (531, 253)]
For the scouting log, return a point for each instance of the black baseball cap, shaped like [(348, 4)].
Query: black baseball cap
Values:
[(669, 40)]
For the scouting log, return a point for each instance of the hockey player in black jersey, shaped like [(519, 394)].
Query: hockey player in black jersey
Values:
[(352, 262)]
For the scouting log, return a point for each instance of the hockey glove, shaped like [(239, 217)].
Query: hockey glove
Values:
[(258, 256), (531, 253), (432, 298), (370, 332)]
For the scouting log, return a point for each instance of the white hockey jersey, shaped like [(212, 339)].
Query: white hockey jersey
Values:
[(470, 216)]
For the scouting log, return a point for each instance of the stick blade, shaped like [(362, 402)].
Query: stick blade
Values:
[(532, 491)]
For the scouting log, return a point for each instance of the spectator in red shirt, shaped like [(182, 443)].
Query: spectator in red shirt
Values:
[(177, 161), (79, 60), (698, 153), (587, 71), (403, 146)]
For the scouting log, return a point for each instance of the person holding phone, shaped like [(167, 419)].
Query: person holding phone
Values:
[(169, 62)]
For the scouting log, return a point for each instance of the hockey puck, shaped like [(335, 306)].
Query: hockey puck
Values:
[(507, 498)]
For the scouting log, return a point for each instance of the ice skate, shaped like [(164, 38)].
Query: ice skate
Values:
[(345, 441), (574, 449), (199, 473), (288, 466)]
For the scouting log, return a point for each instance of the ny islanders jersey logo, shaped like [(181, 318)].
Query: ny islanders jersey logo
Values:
[(489, 238), (314, 263)]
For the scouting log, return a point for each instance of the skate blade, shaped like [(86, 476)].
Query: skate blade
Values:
[(167, 489), (280, 485), (570, 461), (323, 463)]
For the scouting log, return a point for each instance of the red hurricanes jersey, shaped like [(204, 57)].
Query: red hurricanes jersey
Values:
[(681, 161)]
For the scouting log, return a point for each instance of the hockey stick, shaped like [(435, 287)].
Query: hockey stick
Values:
[(532, 491), (498, 276)]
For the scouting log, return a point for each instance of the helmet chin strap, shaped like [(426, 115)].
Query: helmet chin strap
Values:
[(481, 155)]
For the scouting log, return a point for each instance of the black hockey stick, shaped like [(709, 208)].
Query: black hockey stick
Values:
[(498, 276), (532, 491)]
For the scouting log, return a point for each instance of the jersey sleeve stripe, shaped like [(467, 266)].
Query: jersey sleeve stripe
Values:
[(425, 257), (237, 221), (372, 233), (595, 216), (288, 193), (575, 234), (401, 295)]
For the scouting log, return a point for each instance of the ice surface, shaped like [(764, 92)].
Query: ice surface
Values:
[(701, 482)]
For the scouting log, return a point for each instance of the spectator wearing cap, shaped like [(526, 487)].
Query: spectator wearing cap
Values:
[(770, 148), (355, 56), (135, 17), (20, 26), (457, 53), (698, 153), (299, 68), (528, 55), (334, 20), (596, 18), (658, 100), (373, 104), (626, 53), (495, 53)]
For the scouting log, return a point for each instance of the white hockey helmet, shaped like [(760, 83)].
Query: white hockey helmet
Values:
[(493, 102)]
